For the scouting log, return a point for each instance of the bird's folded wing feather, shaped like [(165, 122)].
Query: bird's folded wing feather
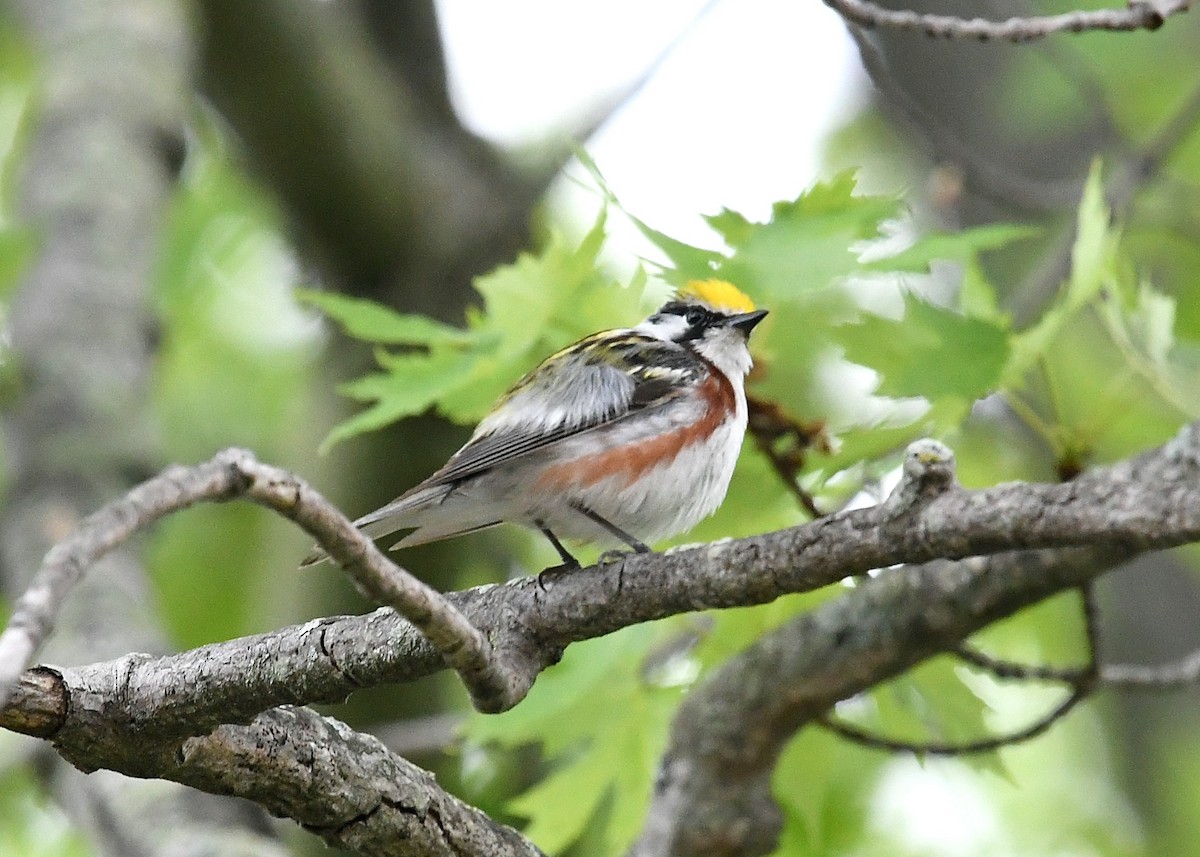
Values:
[(577, 390), (558, 400)]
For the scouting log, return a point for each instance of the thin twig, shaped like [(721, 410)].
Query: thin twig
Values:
[(1185, 671), (1011, 670), (769, 425), (1091, 630), (1179, 673), (236, 473), (1082, 680), (1139, 15), (34, 613), (940, 748)]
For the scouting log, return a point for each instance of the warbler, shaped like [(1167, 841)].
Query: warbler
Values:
[(626, 437)]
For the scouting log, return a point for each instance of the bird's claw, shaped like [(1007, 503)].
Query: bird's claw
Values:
[(547, 575)]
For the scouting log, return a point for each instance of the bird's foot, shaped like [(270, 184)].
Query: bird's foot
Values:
[(548, 575)]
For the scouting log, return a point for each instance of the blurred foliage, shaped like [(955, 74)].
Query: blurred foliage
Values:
[(882, 329), (31, 825), (16, 79), (18, 243), (236, 357)]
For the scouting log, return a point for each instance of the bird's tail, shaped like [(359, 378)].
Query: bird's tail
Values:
[(402, 513)]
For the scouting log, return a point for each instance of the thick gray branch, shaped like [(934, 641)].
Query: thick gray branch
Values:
[(341, 785), (1149, 502), (344, 786)]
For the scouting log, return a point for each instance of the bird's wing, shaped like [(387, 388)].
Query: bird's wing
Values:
[(577, 390)]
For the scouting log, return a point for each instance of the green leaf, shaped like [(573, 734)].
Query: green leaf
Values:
[(808, 244), (373, 322), (604, 725), (977, 297), (690, 263), (534, 307), (1111, 376), (931, 352), (412, 385), (17, 248), (34, 826), (531, 308), (1092, 265), (823, 786), (560, 806), (1153, 324), (958, 247), (804, 265), (1095, 242)]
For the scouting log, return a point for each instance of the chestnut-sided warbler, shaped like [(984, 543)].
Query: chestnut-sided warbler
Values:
[(625, 437)]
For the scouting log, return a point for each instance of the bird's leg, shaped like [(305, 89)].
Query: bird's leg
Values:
[(569, 563), (613, 529)]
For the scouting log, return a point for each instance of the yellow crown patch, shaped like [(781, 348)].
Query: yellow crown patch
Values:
[(719, 295)]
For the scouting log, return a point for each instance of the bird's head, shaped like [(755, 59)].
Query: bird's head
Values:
[(713, 318)]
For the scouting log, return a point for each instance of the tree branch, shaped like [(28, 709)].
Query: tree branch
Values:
[(231, 474), (947, 748), (1180, 673), (1138, 15), (1145, 503), (729, 731), (713, 795), (1083, 681), (341, 785)]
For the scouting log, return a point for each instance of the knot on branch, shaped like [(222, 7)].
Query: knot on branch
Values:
[(1147, 15), (928, 471), (240, 463)]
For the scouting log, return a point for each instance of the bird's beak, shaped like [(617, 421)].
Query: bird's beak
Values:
[(745, 321)]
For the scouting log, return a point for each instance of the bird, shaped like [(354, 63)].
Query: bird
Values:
[(624, 438)]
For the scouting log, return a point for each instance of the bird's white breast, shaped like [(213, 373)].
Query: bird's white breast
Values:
[(667, 499)]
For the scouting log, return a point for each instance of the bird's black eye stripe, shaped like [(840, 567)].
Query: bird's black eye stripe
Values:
[(696, 316)]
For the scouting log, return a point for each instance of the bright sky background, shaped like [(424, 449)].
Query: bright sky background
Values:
[(735, 116)]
